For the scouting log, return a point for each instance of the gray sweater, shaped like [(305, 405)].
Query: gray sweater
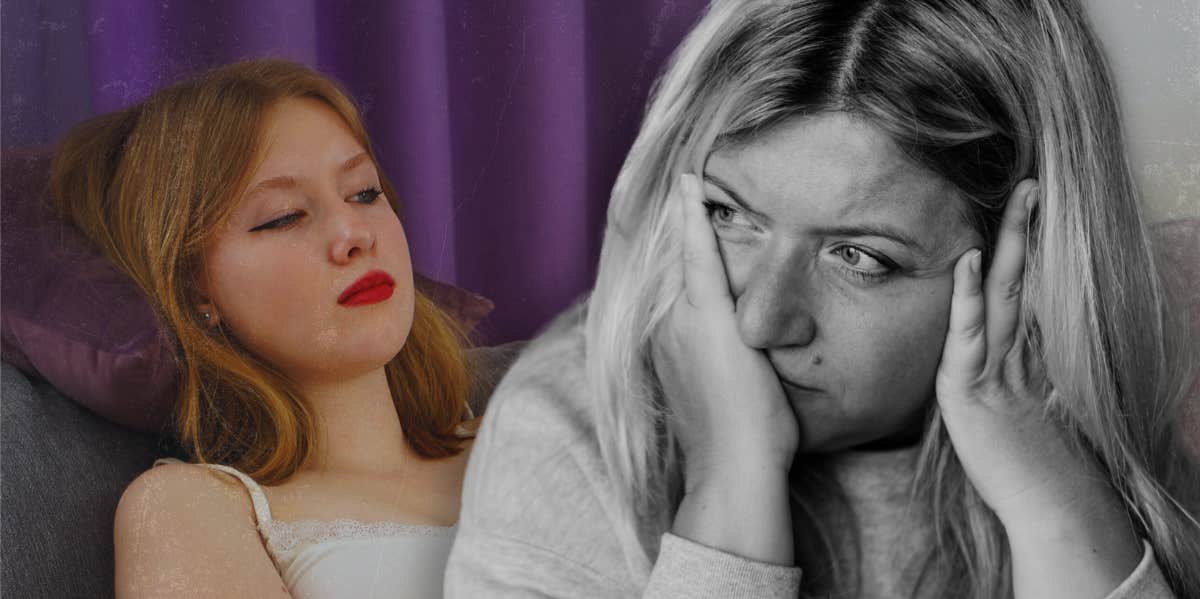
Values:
[(539, 517)]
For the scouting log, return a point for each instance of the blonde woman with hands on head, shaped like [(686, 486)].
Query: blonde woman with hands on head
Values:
[(745, 447), (876, 316)]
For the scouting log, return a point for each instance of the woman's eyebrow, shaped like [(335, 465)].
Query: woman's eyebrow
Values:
[(741, 202), (874, 230), (880, 230), (288, 182), (353, 162), (280, 182)]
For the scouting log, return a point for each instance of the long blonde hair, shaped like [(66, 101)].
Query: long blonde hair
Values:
[(984, 93), (151, 183)]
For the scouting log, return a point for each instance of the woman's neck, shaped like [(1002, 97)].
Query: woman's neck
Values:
[(358, 429)]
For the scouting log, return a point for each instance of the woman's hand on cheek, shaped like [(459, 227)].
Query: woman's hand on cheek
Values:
[(725, 400), (728, 410), (992, 397)]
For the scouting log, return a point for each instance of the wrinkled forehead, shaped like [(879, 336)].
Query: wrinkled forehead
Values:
[(835, 169)]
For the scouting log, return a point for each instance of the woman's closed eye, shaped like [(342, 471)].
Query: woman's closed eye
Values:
[(284, 222), (366, 196)]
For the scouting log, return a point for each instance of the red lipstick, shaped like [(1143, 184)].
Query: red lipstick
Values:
[(373, 287)]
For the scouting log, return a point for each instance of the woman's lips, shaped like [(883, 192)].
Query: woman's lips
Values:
[(375, 286)]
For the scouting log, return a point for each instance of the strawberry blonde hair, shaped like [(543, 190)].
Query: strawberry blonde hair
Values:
[(150, 184)]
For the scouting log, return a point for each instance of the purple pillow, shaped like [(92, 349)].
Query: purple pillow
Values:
[(72, 318)]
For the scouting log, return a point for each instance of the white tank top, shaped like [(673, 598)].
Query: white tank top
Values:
[(346, 558)]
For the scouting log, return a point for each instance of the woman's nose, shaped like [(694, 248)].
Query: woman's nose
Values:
[(774, 309), (353, 235)]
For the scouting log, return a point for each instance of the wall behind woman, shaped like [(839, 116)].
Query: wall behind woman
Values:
[(1154, 46), (502, 122)]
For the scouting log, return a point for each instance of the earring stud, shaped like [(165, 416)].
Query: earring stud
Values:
[(205, 315)]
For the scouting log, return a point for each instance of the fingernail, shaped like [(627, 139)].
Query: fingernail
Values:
[(973, 261)]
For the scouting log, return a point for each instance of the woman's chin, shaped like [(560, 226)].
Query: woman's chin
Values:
[(821, 434), (350, 360)]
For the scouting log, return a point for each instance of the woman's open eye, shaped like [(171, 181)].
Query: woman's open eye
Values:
[(725, 215), (368, 195), (282, 222), (862, 264)]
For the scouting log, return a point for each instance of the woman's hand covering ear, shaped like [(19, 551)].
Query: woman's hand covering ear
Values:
[(1067, 529)]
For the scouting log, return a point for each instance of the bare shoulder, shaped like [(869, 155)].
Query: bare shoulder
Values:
[(174, 495), (178, 525), (172, 486)]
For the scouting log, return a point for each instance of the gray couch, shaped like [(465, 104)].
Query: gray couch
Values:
[(63, 472), (64, 469)]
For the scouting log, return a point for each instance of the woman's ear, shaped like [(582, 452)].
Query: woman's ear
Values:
[(206, 311)]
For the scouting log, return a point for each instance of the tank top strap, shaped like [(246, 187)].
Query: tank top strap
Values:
[(463, 432), (262, 511)]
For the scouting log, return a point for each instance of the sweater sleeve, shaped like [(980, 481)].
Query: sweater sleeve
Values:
[(1146, 581), (689, 569), (540, 517)]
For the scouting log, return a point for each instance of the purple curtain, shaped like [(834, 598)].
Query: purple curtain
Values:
[(502, 122)]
